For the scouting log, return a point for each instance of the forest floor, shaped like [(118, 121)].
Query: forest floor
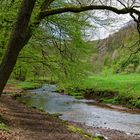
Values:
[(25, 123)]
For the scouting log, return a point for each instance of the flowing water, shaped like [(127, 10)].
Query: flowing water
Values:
[(81, 111)]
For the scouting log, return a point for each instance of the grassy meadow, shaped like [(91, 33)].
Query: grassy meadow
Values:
[(122, 83), (121, 89)]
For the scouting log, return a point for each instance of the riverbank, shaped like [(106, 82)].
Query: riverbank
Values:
[(119, 89), (24, 85), (16, 88), (25, 123), (70, 109), (20, 122)]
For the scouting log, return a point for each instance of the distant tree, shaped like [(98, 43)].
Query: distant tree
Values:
[(26, 23)]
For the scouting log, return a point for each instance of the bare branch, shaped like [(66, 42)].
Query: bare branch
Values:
[(76, 9), (122, 3)]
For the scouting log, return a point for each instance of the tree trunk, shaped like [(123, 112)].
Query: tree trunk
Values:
[(19, 38)]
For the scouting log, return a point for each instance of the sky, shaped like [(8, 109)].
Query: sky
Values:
[(105, 28), (113, 23)]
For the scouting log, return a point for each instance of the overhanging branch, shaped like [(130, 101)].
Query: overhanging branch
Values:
[(76, 9)]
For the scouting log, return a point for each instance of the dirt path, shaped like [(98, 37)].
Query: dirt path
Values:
[(29, 124), (10, 88)]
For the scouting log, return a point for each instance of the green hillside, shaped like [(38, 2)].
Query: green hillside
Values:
[(115, 70), (119, 52)]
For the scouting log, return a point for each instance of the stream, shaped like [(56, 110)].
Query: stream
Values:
[(81, 111)]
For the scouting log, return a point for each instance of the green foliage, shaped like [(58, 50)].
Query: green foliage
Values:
[(138, 69), (3, 127), (57, 48), (119, 51), (63, 51), (130, 68), (8, 13), (120, 82), (28, 85), (116, 89), (83, 133), (107, 71), (58, 51)]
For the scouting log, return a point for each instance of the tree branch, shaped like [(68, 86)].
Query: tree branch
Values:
[(46, 4), (76, 9)]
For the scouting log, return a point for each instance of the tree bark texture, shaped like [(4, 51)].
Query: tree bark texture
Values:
[(20, 35)]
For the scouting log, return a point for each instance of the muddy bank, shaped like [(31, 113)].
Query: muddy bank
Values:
[(115, 107), (12, 89), (30, 124), (107, 97), (113, 97)]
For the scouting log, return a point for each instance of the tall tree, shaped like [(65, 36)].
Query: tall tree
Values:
[(24, 27)]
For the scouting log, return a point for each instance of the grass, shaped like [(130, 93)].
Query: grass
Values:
[(3, 127), (31, 83), (28, 85), (126, 89), (25, 84), (125, 84), (83, 133)]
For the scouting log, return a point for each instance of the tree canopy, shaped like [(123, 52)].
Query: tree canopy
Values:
[(52, 21)]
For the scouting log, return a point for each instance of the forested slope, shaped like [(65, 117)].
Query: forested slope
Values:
[(119, 52)]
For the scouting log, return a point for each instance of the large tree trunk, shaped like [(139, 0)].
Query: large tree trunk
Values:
[(19, 38)]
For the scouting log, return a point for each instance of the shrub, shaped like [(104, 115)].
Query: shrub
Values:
[(138, 69), (130, 68)]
